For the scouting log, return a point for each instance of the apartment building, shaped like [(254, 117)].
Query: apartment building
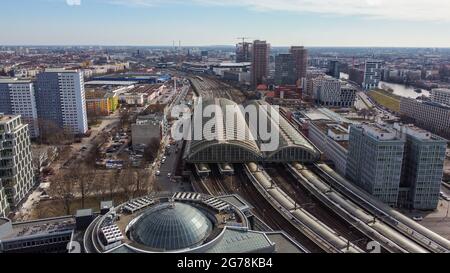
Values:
[(61, 99), (16, 170), (17, 97)]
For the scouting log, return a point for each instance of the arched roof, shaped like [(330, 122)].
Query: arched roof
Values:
[(292, 144), (237, 139), (226, 131)]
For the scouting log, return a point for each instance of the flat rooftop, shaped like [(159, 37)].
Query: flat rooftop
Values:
[(15, 81), (118, 83), (41, 227), (6, 117)]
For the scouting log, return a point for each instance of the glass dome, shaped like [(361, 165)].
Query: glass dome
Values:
[(171, 226)]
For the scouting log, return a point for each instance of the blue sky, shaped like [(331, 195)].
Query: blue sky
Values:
[(212, 22)]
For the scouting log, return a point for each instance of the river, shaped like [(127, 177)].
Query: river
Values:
[(399, 89), (403, 90)]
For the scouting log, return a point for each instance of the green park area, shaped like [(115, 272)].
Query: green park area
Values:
[(386, 99)]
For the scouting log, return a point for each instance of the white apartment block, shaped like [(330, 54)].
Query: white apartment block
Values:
[(73, 102), (16, 170), (68, 103), (19, 99), (441, 95)]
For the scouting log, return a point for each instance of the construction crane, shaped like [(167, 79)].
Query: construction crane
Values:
[(245, 50), (243, 39)]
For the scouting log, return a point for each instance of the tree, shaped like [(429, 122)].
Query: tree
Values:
[(151, 150), (85, 180), (62, 188)]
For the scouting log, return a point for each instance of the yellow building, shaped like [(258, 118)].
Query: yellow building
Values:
[(101, 103)]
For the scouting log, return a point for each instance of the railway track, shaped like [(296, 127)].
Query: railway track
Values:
[(265, 211), (305, 200)]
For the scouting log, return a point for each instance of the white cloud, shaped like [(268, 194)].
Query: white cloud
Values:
[(73, 2), (411, 10)]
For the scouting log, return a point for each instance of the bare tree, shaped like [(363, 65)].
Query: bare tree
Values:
[(62, 188), (85, 181)]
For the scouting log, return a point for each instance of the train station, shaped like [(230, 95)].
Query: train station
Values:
[(237, 139)]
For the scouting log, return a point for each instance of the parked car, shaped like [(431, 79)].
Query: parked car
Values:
[(158, 173), (417, 218)]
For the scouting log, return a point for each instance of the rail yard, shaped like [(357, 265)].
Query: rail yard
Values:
[(321, 210)]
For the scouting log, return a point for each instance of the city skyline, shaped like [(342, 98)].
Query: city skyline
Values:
[(377, 23)]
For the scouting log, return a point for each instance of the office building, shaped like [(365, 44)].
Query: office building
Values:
[(284, 69), (243, 51), (356, 75), (16, 168), (17, 97), (331, 92), (260, 62), (332, 140), (431, 116), (300, 56), (422, 171), (440, 95), (372, 74), (334, 69), (375, 157), (60, 99)]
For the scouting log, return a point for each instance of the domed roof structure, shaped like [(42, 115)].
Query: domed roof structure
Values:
[(171, 226)]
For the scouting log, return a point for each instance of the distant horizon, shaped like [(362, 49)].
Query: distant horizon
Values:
[(218, 45), (318, 23)]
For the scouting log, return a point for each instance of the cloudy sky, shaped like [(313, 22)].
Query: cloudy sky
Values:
[(416, 23)]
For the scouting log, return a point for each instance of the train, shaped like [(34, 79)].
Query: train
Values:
[(298, 214), (226, 169), (379, 230), (389, 212), (202, 170)]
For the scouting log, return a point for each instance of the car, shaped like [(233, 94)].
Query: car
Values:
[(164, 158), (169, 175), (158, 173), (163, 161), (446, 198), (417, 218)]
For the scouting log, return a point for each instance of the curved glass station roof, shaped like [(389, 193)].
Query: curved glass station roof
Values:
[(228, 131), (225, 142), (171, 226)]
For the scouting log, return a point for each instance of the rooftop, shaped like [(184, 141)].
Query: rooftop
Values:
[(41, 227), (171, 226), (119, 83), (15, 81)]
